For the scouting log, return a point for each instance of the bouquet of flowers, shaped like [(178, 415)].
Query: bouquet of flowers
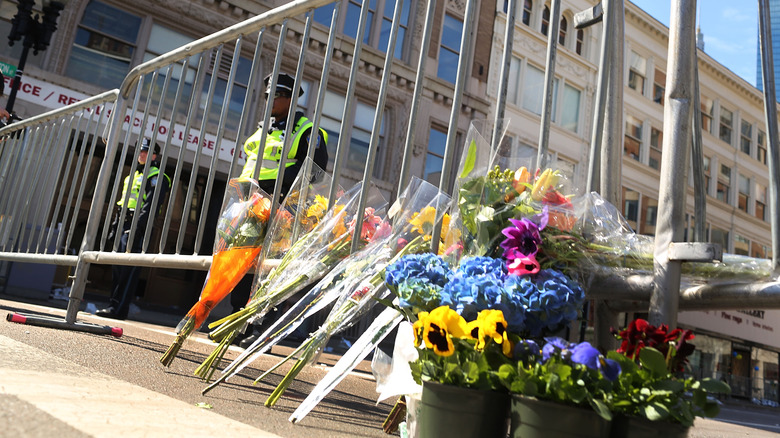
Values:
[(309, 258), (303, 208), (414, 215), (241, 230)]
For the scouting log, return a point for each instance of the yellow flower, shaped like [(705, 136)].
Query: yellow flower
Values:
[(547, 180), (491, 324), (318, 208), (437, 329), (422, 222)]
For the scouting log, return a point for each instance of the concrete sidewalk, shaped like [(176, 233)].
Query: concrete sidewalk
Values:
[(73, 384)]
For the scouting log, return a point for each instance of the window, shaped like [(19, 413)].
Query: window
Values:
[(760, 211), (545, 19), (632, 143), (562, 31), (656, 142), (533, 90), (434, 159), (104, 45), (449, 51), (512, 90), (746, 137), (353, 19), (720, 237), (162, 40), (744, 193), (707, 106), (724, 183), (378, 26), (387, 22), (580, 41), (649, 215), (659, 84), (570, 113), (332, 111), (637, 72), (726, 123), (706, 166), (759, 251), (631, 207), (761, 147), (741, 245), (528, 6)]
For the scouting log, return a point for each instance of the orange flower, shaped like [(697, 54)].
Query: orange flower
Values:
[(522, 177), (261, 207)]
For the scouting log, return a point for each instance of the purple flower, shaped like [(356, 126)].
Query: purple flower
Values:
[(521, 245)]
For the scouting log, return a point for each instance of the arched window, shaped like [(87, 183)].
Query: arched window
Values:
[(545, 19), (580, 41), (527, 7), (562, 31)]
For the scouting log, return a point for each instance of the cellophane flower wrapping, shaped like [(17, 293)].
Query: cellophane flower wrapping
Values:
[(308, 259), (413, 216), (303, 207), (241, 230)]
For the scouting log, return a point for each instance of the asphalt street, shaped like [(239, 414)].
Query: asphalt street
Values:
[(64, 383)]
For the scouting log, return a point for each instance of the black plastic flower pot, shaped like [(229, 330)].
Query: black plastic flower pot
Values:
[(453, 411), (534, 418)]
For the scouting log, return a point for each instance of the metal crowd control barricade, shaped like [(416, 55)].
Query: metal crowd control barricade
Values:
[(46, 168)]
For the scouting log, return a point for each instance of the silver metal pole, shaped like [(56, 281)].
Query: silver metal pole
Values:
[(611, 148), (403, 179), (506, 61), (452, 131), (697, 156), (373, 144), (599, 107), (549, 78), (345, 133), (664, 302), (770, 112)]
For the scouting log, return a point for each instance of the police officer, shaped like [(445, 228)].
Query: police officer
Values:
[(270, 153), (125, 278), (271, 157)]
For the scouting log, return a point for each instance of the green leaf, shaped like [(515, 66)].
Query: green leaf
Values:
[(203, 405), (711, 409), (715, 386), (656, 411), (471, 159), (601, 408), (653, 360)]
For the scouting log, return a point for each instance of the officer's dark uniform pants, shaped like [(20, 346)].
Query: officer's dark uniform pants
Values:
[(125, 278)]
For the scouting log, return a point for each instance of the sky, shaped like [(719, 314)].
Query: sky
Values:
[(730, 32)]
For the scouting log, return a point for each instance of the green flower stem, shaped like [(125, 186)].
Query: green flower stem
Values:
[(173, 350)]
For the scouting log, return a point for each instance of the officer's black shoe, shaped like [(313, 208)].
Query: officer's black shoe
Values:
[(249, 340), (109, 312)]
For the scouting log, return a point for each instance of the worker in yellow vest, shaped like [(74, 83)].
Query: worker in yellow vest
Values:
[(270, 154), (125, 278)]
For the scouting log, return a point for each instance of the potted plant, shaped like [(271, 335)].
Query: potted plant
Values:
[(637, 390)]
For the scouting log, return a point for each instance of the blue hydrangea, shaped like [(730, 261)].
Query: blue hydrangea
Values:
[(550, 300), (417, 280), (480, 267), (428, 267)]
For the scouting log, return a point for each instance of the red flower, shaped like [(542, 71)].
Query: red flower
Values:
[(640, 334)]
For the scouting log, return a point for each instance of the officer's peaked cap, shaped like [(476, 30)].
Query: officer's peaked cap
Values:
[(145, 146), (284, 82)]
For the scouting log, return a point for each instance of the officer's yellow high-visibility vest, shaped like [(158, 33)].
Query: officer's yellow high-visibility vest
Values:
[(272, 152), (132, 201)]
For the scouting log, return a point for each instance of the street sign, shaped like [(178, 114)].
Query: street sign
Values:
[(7, 70)]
